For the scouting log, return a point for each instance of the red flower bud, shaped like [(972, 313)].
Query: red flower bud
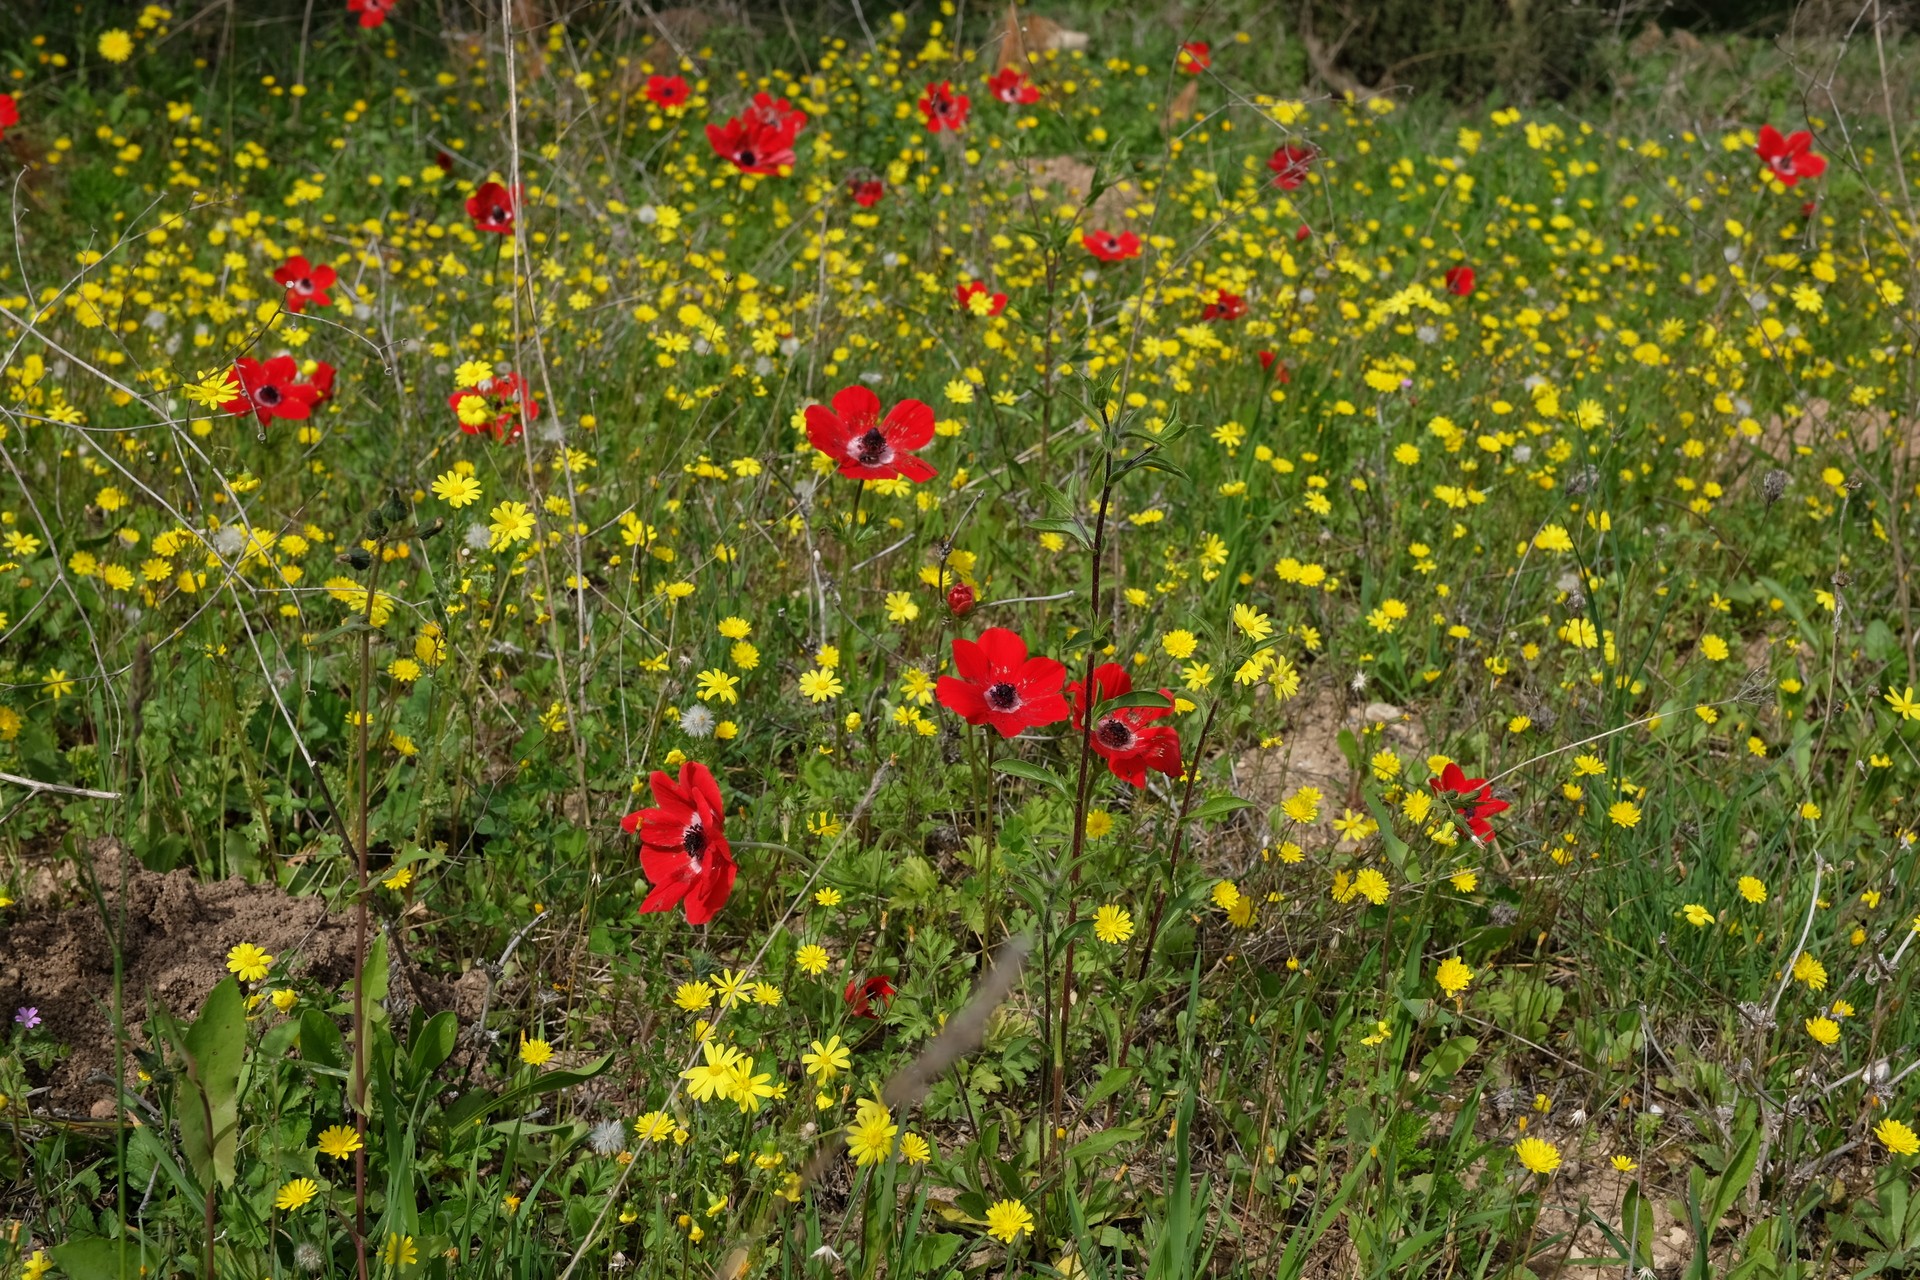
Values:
[(960, 599)]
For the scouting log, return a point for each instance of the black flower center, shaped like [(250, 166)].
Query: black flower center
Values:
[(1003, 697), (268, 395), (1114, 733), (303, 285), (870, 448), (694, 840), (747, 159)]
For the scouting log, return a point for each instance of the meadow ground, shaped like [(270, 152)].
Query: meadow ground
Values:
[(663, 648)]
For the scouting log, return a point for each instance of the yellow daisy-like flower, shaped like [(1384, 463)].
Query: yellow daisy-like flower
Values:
[(1253, 624), (399, 1251), (213, 389), (870, 1136), (1897, 1137), (1537, 1156), (295, 1194), (1697, 915), (1753, 889), (825, 1061), (456, 490), (1824, 1031), (1453, 975), (655, 1126), (821, 685), (1008, 1220), (693, 996), (534, 1052), (512, 522), (1112, 925), (1624, 813), (1810, 971), (1179, 645), (338, 1141), (812, 959), (248, 962), (115, 45)]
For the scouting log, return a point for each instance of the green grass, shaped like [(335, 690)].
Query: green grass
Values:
[(1541, 524)]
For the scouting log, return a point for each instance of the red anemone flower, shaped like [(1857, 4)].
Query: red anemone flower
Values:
[(372, 12), (1304, 233), (943, 108), (9, 113), (1225, 306), (752, 147), (1290, 164), (861, 995), (306, 283), (271, 388), (667, 91), (683, 844), (1195, 56), (866, 192), (494, 407), (321, 380), (492, 208), (1471, 798), (1790, 158), (1000, 685), (1127, 739), (1275, 366), (868, 448), (1012, 87), (970, 289), (1460, 281), (1108, 247)]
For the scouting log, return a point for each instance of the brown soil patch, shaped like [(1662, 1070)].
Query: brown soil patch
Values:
[(1309, 751), (1072, 179), (56, 955)]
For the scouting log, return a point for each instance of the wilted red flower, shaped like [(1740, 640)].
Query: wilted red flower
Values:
[(492, 207), (443, 161), (306, 283), (943, 108), (1127, 739), (1471, 798), (867, 448), (1012, 87), (1109, 247), (1000, 685), (1290, 163), (1195, 56), (683, 844), (1275, 366), (9, 113), (996, 302), (667, 91), (494, 407), (372, 12), (768, 112), (1225, 306), (866, 192), (1460, 281), (272, 389), (1790, 158), (860, 995), (960, 599)]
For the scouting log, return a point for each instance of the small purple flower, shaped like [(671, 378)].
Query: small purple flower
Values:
[(26, 1017)]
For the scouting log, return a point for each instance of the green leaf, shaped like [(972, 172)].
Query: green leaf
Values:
[(1112, 1081), (1072, 528), (1218, 807), (207, 1097), (433, 1046), (1032, 773), (1444, 1061), (1138, 698), (97, 1259), (320, 1040), (1104, 1141), (1636, 1226)]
